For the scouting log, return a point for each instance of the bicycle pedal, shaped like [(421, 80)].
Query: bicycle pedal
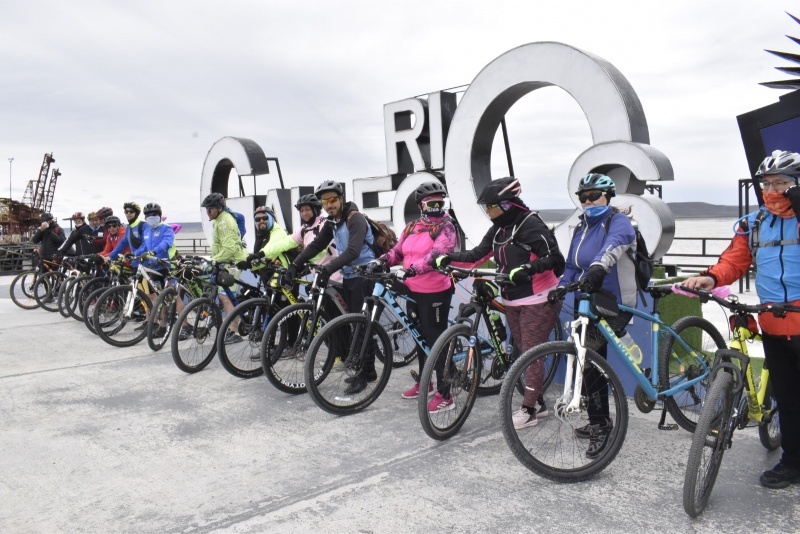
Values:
[(668, 426)]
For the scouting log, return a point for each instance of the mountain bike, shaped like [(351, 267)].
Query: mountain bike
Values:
[(734, 399), (118, 273), (571, 444), (22, 286)]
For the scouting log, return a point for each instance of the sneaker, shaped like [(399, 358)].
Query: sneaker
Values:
[(598, 438), (185, 333), (585, 431), (371, 376), (440, 404), (159, 331), (413, 391), (522, 418), (541, 409), (780, 476), (231, 338), (357, 385)]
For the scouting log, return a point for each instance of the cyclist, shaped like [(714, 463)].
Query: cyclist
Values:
[(768, 239), (133, 234), (116, 235), (423, 240), (81, 237), (50, 237), (351, 232), (226, 246), (526, 250), (101, 237), (598, 257), (272, 241)]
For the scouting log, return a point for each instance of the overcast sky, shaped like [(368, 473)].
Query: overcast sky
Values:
[(129, 96)]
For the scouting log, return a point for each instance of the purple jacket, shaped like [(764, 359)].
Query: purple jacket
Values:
[(417, 248)]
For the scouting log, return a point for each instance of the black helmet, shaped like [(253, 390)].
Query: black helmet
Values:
[(263, 209), (429, 188), (103, 213), (501, 189), (152, 207), (327, 186), (132, 206), (779, 162), (309, 200), (596, 181), (214, 200), (46, 216), (112, 220)]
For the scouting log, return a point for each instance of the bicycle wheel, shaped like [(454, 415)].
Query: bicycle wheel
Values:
[(42, 290), (344, 338), (709, 442), (769, 432), (88, 308), (676, 366), (120, 316), (460, 370), (87, 286), (562, 445), (285, 345), (21, 291), (64, 296), (165, 314), (243, 359), (194, 344)]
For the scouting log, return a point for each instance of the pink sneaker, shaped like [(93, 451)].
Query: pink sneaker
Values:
[(440, 404), (413, 391)]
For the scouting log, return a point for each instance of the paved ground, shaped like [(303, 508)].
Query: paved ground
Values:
[(99, 439)]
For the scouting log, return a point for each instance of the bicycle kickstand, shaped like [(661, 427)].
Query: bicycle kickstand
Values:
[(662, 424)]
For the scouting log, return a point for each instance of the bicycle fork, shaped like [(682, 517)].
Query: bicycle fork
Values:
[(570, 401)]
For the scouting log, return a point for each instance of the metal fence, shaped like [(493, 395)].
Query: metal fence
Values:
[(698, 260)]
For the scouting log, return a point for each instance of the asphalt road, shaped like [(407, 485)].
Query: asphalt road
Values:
[(99, 439)]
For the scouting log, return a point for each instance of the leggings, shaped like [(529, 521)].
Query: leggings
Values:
[(783, 361), (431, 311)]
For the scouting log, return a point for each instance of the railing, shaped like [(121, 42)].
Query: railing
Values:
[(193, 246), (677, 259), (15, 258)]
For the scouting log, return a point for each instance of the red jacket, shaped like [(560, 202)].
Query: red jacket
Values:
[(112, 240)]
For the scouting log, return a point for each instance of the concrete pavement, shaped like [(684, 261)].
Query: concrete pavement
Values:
[(99, 439)]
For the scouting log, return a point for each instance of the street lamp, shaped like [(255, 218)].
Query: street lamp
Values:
[(10, 161)]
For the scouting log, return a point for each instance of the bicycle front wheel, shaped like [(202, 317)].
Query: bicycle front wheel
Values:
[(165, 315), (676, 365), (120, 316), (90, 302), (43, 290), (567, 445), (242, 358), (342, 354), (64, 296), (769, 430), (455, 366), (711, 438), (194, 343), (21, 291)]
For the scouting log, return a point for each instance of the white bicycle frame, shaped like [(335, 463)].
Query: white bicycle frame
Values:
[(570, 402)]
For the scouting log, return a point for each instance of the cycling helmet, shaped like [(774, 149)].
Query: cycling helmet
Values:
[(102, 213), (133, 206), (78, 215), (263, 209), (214, 200), (429, 188), (597, 181), (152, 207), (309, 200), (328, 186), (46, 216), (499, 190), (780, 162), (112, 220)]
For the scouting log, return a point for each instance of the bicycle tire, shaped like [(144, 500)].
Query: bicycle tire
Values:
[(64, 296), (21, 290), (88, 287), (195, 352), (88, 308), (284, 352), (243, 359), (705, 454), (164, 308), (342, 338), (110, 320), (461, 375), (43, 290), (551, 448), (770, 432), (704, 338)]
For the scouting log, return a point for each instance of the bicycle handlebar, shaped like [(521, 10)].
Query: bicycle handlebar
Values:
[(499, 278), (733, 304)]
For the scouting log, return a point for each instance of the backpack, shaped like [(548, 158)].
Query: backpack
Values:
[(240, 222), (383, 237), (753, 238)]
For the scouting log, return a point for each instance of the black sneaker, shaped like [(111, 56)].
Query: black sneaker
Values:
[(371, 376), (583, 432), (780, 476), (598, 438), (185, 333), (358, 385), (231, 338), (159, 331)]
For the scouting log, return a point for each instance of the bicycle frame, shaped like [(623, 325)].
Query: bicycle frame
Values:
[(755, 395)]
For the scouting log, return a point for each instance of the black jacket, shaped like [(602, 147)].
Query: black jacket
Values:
[(83, 237), (49, 240)]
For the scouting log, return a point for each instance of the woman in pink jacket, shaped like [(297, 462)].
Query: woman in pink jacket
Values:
[(420, 242)]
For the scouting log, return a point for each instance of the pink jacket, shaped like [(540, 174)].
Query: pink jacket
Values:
[(417, 248)]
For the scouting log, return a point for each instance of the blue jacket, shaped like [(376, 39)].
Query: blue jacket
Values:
[(160, 240), (591, 245), (134, 228), (778, 273)]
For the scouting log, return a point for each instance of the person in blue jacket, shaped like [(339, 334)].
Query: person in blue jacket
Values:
[(158, 238)]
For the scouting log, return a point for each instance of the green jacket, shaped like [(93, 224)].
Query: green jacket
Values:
[(279, 242), (226, 243)]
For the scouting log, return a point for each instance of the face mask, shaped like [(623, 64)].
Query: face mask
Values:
[(78, 223), (153, 221), (596, 211)]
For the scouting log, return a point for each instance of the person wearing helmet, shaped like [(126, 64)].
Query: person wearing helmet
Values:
[(226, 246), (50, 237), (116, 235), (272, 241), (158, 238), (98, 226), (430, 236), (351, 233), (768, 239), (132, 236), (526, 250), (82, 237)]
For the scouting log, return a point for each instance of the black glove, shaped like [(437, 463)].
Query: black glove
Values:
[(287, 277), (593, 279), (323, 276), (793, 194), (244, 264), (442, 261), (377, 265), (410, 272), (556, 295), (255, 256)]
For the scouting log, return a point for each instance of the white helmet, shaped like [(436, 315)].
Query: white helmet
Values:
[(780, 162)]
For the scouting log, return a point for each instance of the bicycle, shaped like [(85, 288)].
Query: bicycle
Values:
[(471, 357), (734, 399), (180, 287), (22, 286), (568, 445), (66, 293), (118, 273)]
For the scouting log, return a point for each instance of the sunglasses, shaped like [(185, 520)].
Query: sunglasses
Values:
[(259, 219), (112, 226), (326, 201), (432, 204), (488, 207), (130, 211), (590, 196)]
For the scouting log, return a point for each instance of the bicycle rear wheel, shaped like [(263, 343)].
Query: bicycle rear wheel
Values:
[(460, 369), (89, 305), (21, 291), (165, 314), (243, 359), (564, 446), (194, 343), (769, 432), (43, 290), (87, 286), (64, 296), (711, 437), (343, 339), (676, 366), (118, 321)]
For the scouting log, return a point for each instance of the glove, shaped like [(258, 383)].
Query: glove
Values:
[(793, 194), (244, 264), (323, 276), (255, 256), (442, 261), (594, 277), (411, 272), (287, 277), (520, 275), (97, 259), (377, 265), (556, 295)]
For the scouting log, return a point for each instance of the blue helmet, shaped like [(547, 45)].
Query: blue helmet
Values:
[(596, 181)]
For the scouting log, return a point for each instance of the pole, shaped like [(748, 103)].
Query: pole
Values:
[(10, 161)]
